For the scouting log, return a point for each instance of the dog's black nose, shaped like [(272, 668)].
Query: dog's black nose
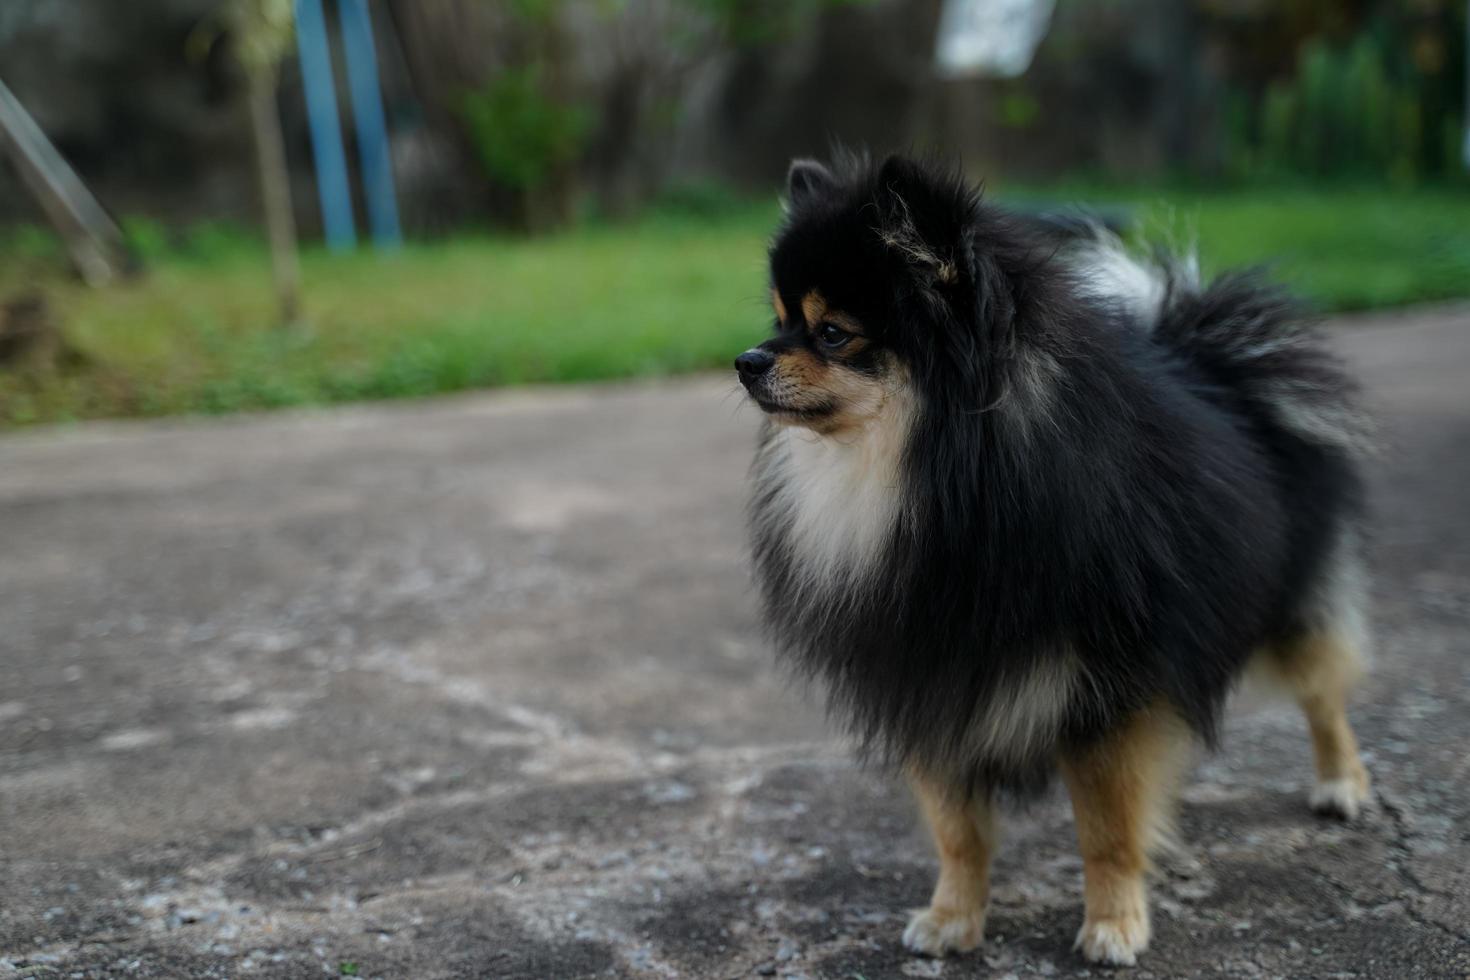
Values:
[(753, 363)]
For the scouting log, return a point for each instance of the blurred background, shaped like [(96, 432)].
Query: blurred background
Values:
[(217, 205), (474, 687)]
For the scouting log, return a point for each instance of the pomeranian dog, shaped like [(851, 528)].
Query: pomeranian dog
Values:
[(1024, 504)]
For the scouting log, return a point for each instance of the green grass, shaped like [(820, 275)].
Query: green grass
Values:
[(677, 291), (1343, 249)]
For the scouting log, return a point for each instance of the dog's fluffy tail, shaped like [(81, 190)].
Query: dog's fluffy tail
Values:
[(1243, 331)]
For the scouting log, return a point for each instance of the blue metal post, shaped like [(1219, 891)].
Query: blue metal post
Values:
[(372, 132), (333, 187)]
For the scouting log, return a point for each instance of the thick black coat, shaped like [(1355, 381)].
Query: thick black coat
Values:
[(1141, 498)]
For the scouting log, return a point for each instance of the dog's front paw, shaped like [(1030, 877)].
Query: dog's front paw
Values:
[(938, 932), (1341, 798), (1116, 941)]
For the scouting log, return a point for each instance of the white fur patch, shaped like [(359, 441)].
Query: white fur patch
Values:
[(934, 933), (1337, 607), (1342, 598), (1322, 417), (1105, 270), (840, 493), (1030, 400), (1338, 798), (1022, 716), (1114, 941)]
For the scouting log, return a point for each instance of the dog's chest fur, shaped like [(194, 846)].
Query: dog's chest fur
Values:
[(832, 507), (834, 500)]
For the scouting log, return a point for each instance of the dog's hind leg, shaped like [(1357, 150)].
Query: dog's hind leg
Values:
[(1319, 665), (964, 830), (1123, 791), (1319, 668)]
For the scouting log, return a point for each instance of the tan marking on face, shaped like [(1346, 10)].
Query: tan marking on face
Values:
[(817, 313), (846, 322), (805, 380), (813, 308)]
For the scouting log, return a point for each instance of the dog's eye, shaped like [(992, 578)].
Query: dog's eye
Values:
[(833, 337)]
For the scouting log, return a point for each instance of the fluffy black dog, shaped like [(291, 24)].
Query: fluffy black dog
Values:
[(1026, 504)]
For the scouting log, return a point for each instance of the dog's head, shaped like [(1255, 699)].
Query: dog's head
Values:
[(879, 278)]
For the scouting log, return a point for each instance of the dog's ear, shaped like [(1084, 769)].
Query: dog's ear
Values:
[(806, 181), (926, 216), (904, 177)]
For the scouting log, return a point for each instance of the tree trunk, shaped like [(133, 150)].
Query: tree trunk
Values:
[(275, 193)]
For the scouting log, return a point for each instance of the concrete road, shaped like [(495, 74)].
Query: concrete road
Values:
[(474, 688)]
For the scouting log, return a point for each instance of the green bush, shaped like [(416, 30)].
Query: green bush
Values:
[(1353, 110), (522, 135)]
